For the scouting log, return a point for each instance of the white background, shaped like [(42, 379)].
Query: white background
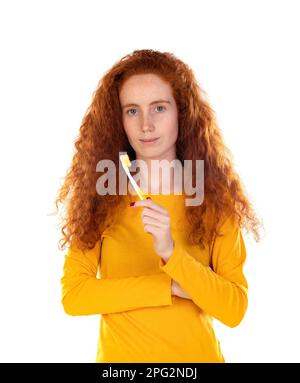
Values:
[(245, 54)]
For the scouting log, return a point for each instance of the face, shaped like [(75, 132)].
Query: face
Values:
[(149, 111)]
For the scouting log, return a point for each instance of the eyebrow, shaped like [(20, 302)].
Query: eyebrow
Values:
[(151, 103)]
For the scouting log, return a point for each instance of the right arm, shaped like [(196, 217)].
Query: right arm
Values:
[(84, 294)]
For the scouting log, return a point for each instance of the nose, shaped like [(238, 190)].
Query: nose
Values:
[(147, 124)]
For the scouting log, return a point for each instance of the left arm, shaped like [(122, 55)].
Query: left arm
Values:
[(222, 292)]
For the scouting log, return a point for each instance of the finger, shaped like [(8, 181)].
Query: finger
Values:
[(151, 204), (147, 212), (152, 221), (151, 229)]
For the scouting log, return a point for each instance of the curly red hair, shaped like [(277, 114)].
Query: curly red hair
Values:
[(102, 136)]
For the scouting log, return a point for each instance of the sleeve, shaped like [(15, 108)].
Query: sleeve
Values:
[(83, 293), (220, 291)]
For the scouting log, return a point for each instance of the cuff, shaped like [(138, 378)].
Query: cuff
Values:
[(165, 289), (173, 259)]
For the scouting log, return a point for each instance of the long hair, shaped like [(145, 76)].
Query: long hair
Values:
[(102, 136)]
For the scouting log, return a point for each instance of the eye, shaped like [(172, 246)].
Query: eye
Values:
[(130, 110), (161, 106)]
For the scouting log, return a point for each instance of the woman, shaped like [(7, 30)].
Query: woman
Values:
[(166, 269)]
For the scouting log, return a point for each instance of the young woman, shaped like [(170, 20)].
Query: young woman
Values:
[(158, 271)]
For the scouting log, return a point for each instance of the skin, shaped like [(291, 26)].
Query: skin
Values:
[(143, 120), (149, 121)]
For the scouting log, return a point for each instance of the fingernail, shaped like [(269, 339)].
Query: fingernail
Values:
[(131, 203), (149, 198)]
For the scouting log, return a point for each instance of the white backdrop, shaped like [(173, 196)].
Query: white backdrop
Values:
[(245, 54)]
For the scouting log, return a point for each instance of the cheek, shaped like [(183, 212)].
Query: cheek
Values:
[(172, 132), (129, 130), (171, 125)]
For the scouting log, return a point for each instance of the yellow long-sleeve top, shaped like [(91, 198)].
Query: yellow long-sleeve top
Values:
[(141, 321)]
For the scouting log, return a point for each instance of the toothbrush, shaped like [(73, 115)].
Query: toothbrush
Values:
[(126, 165)]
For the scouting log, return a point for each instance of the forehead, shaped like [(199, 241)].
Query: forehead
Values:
[(144, 88)]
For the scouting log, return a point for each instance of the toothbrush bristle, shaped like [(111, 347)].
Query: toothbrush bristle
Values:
[(126, 164), (125, 160)]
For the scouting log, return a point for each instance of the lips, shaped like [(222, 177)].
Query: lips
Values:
[(150, 139)]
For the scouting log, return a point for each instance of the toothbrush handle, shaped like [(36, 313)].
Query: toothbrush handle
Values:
[(136, 188)]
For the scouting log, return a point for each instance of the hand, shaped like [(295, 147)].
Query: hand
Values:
[(177, 290), (157, 222)]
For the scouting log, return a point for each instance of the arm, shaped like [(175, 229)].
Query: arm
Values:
[(222, 291), (84, 294)]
